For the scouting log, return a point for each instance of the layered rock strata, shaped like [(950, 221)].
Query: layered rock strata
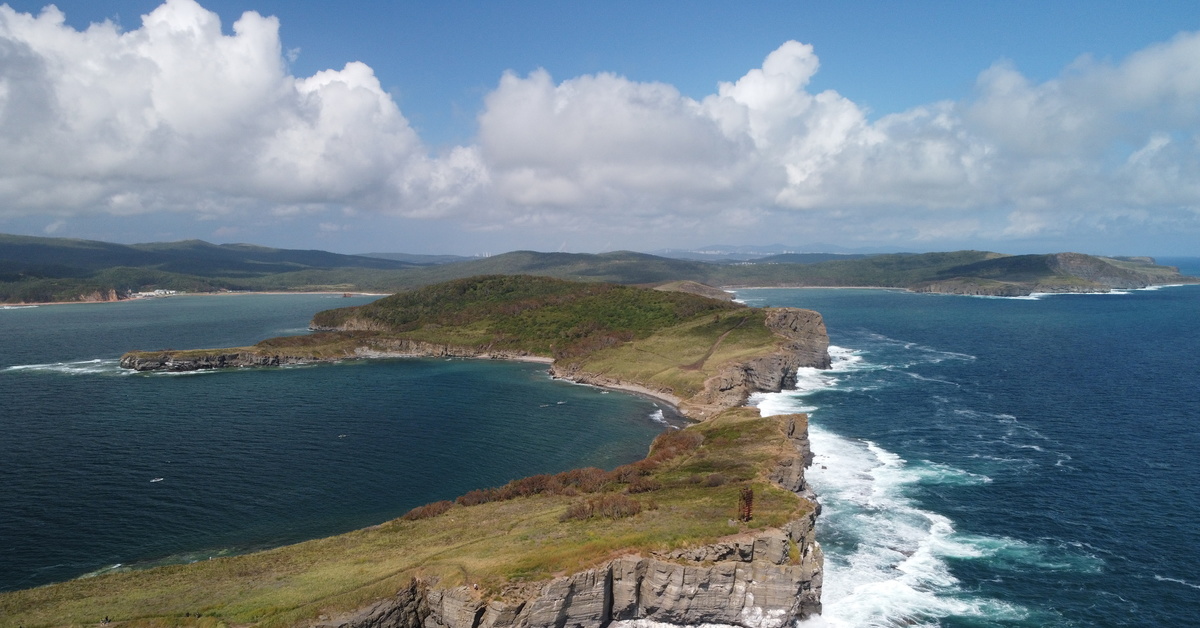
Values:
[(769, 579), (376, 347)]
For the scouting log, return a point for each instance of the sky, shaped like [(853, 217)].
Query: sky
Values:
[(476, 128)]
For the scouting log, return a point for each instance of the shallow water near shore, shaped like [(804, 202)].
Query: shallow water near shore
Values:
[(102, 468), (1004, 462)]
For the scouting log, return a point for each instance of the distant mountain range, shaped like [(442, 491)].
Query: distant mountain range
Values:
[(732, 253), (38, 270)]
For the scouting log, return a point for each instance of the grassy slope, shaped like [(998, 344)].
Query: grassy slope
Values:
[(494, 545)]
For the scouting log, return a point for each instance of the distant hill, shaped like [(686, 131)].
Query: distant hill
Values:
[(58, 269), (420, 260), (36, 269), (741, 253)]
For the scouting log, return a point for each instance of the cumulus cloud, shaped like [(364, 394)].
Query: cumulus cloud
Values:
[(178, 116), (152, 119)]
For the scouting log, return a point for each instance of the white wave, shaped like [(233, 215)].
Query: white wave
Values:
[(933, 380), (658, 417), (886, 558), (1034, 296), (1176, 581), (926, 354), (937, 473), (17, 307), (83, 367)]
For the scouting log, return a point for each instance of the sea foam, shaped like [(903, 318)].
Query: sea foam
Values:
[(886, 557)]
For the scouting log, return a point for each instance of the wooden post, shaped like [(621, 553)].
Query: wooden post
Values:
[(746, 504)]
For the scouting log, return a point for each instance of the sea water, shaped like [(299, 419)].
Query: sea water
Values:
[(103, 469), (1004, 462), (980, 462)]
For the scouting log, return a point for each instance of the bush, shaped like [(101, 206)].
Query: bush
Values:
[(643, 485), (716, 479), (428, 510), (612, 506), (586, 480), (476, 497)]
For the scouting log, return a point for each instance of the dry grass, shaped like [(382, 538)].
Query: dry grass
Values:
[(682, 357)]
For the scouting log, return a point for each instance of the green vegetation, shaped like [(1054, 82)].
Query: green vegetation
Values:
[(519, 312), (495, 544), (45, 269), (666, 340), (690, 490)]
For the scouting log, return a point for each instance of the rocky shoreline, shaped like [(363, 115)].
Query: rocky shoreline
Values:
[(767, 579)]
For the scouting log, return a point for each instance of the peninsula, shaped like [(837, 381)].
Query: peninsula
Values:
[(715, 525)]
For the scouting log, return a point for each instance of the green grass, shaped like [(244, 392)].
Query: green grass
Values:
[(682, 357)]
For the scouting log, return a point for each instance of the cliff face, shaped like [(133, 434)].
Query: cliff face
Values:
[(169, 361), (373, 348), (766, 580)]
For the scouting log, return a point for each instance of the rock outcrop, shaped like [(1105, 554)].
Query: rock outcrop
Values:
[(806, 345), (769, 579), (377, 347)]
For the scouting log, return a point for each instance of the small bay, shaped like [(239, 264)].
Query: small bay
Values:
[(101, 468)]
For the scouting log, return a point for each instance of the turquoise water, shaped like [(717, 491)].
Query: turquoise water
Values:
[(101, 468), (1005, 462)]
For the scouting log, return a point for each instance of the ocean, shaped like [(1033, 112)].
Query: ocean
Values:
[(1005, 462), (980, 462), (103, 469)]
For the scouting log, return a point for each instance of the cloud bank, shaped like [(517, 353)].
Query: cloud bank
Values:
[(179, 117)]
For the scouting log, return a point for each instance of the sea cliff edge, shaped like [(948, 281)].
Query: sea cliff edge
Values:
[(767, 578)]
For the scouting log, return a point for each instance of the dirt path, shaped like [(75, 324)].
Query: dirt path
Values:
[(699, 364)]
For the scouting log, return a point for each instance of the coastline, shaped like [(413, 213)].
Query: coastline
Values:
[(202, 294), (671, 401)]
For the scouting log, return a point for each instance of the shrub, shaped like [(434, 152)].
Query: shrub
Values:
[(476, 497), (625, 474), (586, 480), (612, 506), (428, 510), (716, 479), (643, 485)]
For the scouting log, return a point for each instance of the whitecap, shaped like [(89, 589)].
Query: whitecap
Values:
[(1176, 581), (83, 367), (886, 558)]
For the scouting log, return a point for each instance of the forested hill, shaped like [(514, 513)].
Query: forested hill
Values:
[(56, 269), (36, 269)]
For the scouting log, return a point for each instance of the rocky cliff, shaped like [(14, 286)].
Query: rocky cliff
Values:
[(370, 347), (769, 579), (804, 344)]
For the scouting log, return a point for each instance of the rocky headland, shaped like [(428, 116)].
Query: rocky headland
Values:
[(768, 579), (706, 362), (1059, 273)]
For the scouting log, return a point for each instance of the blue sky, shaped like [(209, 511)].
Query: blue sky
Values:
[(483, 127)]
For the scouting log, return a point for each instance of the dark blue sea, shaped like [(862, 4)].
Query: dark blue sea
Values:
[(981, 462), (103, 469), (1005, 462)]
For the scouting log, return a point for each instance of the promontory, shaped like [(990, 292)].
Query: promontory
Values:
[(715, 525)]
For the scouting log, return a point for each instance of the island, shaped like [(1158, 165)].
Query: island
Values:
[(715, 525)]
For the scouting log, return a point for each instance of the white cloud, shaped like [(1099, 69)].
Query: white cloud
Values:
[(177, 116), (177, 111)]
